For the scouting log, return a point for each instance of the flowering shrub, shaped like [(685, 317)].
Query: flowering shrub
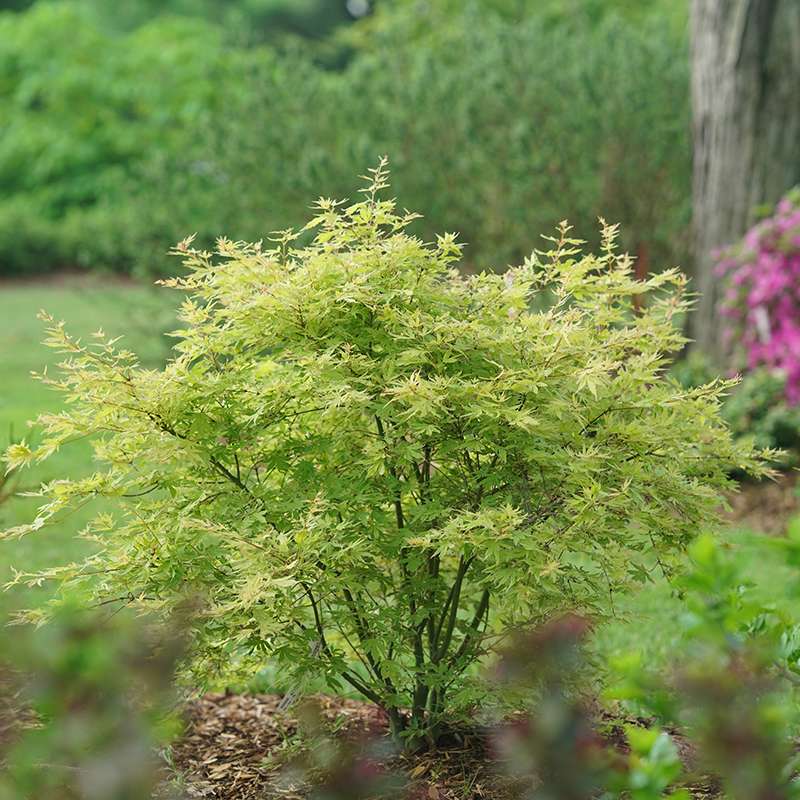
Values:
[(372, 466), (762, 299)]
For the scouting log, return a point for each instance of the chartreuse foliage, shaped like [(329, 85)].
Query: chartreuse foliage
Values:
[(370, 465)]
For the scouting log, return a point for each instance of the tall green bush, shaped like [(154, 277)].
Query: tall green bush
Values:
[(499, 126), (525, 122), (83, 113), (371, 467)]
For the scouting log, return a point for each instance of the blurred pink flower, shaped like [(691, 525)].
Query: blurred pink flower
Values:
[(761, 300)]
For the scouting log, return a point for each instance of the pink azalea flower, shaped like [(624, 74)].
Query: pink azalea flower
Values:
[(761, 300)]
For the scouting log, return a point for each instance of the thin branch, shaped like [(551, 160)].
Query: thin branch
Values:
[(451, 613), (472, 633)]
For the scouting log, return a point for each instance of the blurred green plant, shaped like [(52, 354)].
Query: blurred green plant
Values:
[(423, 18), (244, 21), (557, 751), (734, 689), (516, 125), (87, 700), (731, 699), (117, 143)]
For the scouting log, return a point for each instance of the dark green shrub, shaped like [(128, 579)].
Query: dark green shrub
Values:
[(497, 127), (119, 143), (83, 112), (734, 689), (758, 408)]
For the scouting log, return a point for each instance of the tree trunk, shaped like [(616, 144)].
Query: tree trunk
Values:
[(746, 127)]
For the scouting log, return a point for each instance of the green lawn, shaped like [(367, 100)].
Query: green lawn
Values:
[(649, 620), (140, 312)]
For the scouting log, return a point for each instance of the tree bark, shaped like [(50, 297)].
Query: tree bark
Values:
[(746, 129)]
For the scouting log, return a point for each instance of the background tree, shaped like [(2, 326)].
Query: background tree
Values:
[(745, 89)]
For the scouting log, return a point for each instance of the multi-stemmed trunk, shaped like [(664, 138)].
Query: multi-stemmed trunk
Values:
[(437, 646)]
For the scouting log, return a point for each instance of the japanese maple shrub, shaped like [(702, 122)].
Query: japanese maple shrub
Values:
[(371, 466)]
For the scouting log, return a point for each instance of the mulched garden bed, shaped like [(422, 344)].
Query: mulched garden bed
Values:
[(236, 747)]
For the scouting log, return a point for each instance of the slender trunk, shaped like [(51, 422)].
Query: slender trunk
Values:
[(746, 130), (397, 723)]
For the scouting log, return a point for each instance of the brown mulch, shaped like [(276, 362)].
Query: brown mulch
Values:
[(226, 741), (238, 746), (766, 506)]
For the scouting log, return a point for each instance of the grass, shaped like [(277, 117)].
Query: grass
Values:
[(649, 621), (143, 313)]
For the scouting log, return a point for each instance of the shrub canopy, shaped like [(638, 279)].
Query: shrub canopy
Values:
[(371, 466)]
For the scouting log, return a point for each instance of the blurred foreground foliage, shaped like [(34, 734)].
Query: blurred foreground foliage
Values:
[(123, 134), (86, 702)]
